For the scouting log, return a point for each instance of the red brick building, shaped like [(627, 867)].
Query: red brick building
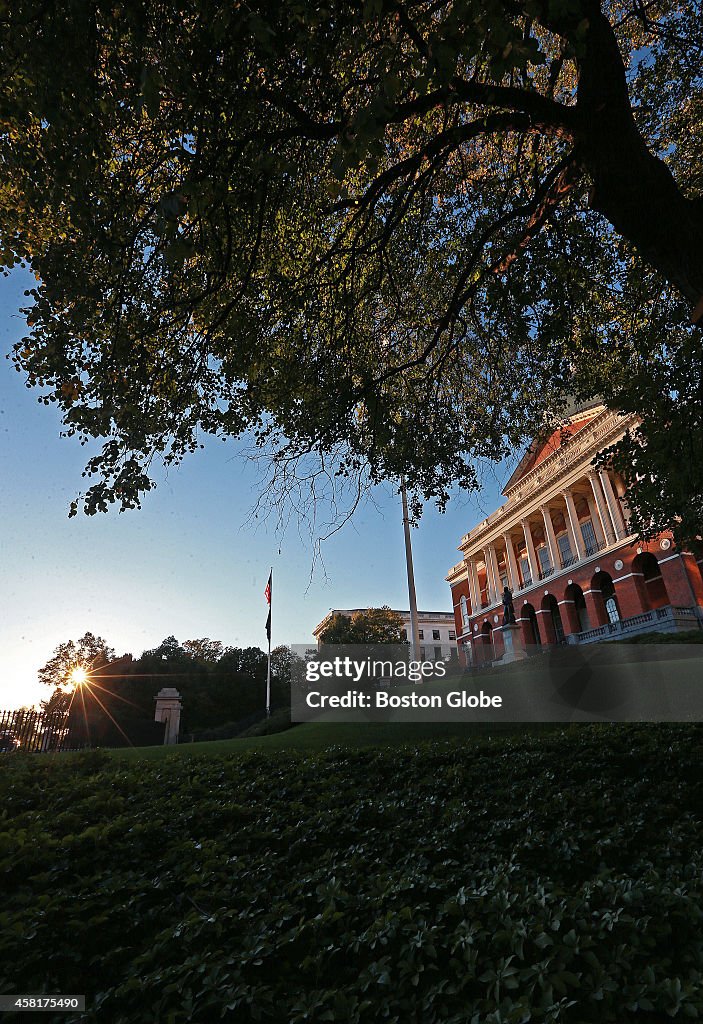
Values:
[(561, 544)]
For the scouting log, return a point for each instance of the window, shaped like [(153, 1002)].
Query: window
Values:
[(611, 607), (422, 654), (525, 571), (438, 654), (589, 537), (558, 624), (435, 634), (464, 612), (504, 582), (544, 563), (567, 555), (403, 634), (452, 634), (421, 634)]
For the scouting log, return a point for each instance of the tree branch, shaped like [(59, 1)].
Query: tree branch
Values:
[(545, 114)]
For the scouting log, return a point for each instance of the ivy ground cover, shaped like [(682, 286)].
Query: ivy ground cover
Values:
[(546, 878)]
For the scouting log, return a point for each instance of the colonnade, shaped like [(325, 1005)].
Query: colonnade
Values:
[(499, 561)]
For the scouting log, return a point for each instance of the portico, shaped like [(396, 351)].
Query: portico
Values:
[(561, 544)]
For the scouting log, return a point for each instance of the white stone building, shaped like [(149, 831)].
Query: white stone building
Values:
[(437, 637)]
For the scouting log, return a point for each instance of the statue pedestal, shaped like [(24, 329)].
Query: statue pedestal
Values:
[(512, 642)]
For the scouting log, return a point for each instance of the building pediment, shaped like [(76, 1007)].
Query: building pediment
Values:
[(546, 444), (556, 465)]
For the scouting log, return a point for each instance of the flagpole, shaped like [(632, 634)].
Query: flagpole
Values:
[(268, 669), (414, 625)]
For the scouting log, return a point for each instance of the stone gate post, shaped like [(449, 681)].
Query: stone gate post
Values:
[(168, 710)]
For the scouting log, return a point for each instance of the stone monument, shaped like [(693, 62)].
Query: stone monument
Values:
[(512, 634), (508, 608), (168, 710)]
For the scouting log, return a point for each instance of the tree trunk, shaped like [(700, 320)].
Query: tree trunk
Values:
[(632, 187), (637, 193)]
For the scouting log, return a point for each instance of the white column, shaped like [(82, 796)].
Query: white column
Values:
[(551, 538), (624, 507), (531, 553), (469, 583), (489, 582), (477, 586), (613, 505), (473, 587), (512, 563), (496, 573), (576, 540), (595, 519), (602, 510), (490, 578)]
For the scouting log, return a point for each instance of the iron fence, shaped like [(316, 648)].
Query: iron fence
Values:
[(32, 730), (35, 731)]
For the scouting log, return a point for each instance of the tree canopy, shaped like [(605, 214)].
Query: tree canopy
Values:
[(90, 654), (392, 236), (218, 684), (371, 626), (205, 650)]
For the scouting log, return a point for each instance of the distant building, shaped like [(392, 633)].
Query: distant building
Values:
[(437, 637), (562, 545)]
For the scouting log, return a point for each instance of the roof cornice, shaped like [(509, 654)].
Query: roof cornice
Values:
[(533, 487)]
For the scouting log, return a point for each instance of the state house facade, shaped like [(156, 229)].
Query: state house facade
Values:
[(562, 545)]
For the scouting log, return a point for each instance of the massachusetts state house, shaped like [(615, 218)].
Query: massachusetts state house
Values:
[(561, 544)]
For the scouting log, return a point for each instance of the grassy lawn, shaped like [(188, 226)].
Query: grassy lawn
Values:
[(642, 663), (316, 736)]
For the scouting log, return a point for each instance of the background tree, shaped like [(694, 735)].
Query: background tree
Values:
[(371, 626), (89, 653), (284, 663), (216, 690), (247, 661), (171, 664), (391, 237), (205, 650), (661, 461)]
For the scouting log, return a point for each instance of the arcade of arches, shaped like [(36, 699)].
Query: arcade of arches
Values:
[(577, 607)]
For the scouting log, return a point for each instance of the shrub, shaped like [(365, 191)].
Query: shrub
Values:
[(554, 878)]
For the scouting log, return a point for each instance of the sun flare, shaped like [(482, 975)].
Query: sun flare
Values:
[(78, 676)]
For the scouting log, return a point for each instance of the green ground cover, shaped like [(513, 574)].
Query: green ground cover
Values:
[(552, 877)]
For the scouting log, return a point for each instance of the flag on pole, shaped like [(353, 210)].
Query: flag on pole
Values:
[(267, 595)]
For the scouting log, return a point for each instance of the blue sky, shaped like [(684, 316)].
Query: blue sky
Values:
[(189, 563)]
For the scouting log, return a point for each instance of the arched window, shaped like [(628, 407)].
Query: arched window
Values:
[(607, 588), (655, 591), (488, 653), (532, 636), (611, 607), (551, 605), (464, 611), (603, 581), (574, 593)]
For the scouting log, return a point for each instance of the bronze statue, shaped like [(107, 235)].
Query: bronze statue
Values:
[(508, 609)]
